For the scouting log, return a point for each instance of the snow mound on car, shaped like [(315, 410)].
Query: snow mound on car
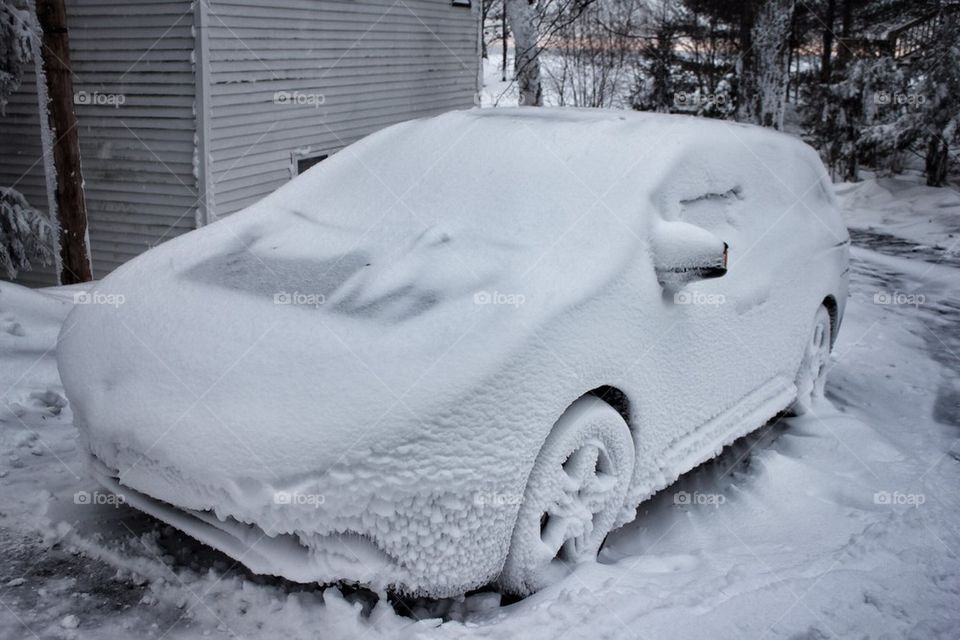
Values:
[(373, 332)]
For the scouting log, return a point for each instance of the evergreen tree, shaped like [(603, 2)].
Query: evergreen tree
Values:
[(26, 237), (940, 89), (654, 89), (18, 33)]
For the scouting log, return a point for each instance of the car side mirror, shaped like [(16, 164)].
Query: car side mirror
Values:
[(684, 253)]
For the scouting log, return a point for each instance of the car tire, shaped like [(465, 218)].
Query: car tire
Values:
[(574, 494), (812, 376)]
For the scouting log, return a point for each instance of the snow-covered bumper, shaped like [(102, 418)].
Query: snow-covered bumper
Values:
[(298, 558), (432, 543)]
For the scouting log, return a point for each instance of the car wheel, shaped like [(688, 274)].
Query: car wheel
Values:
[(573, 497), (812, 377)]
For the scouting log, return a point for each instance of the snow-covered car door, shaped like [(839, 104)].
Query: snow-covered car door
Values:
[(727, 328)]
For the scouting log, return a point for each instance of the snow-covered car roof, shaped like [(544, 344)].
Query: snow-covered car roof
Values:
[(435, 208)]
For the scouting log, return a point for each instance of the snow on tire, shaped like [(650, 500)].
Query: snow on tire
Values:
[(812, 376), (573, 496)]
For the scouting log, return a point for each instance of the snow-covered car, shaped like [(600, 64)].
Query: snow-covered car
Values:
[(465, 348)]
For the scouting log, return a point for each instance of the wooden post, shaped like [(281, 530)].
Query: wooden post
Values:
[(503, 35), (71, 209)]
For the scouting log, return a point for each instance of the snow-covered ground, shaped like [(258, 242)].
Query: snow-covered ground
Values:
[(844, 524), (495, 91), (905, 207)]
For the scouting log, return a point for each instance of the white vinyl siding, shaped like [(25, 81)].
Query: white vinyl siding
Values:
[(374, 62), (137, 158)]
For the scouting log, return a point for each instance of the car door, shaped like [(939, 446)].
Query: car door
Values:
[(726, 326)]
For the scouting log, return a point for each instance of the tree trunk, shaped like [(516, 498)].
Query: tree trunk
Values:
[(71, 209), (851, 169), (663, 96), (826, 56), (763, 79), (526, 62), (503, 33), (846, 24), (745, 59), (938, 157), (789, 61)]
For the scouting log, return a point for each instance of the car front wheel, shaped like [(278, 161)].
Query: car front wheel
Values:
[(574, 493), (812, 377)]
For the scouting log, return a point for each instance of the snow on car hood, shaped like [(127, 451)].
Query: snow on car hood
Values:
[(370, 293)]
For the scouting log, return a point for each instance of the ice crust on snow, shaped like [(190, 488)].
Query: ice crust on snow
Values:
[(395, 331)]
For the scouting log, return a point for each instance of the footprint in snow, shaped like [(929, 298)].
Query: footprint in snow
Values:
[(8, 324), (46, 402)]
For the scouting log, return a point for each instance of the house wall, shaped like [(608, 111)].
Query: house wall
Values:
[(355, 66), (137, 157), (348, 67), (134, 92)]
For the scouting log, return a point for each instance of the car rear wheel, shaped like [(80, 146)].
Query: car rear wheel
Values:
[(812, 376), (573, 496)]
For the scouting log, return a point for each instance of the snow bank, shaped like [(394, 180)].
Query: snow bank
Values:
[(905, 207), (29, 322)]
